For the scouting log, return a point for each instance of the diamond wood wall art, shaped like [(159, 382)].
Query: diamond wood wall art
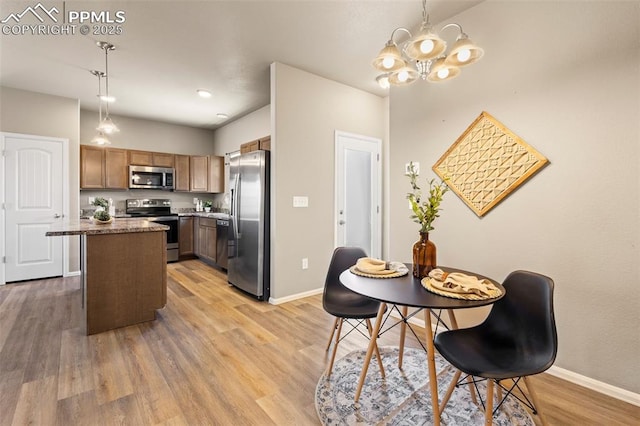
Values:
[(487, 163)]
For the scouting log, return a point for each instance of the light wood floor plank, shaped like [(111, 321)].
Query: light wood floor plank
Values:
[(214, 356)]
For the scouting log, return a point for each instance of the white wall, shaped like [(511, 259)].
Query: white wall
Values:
[(306, 111), (34, 113), (245, 129), (565, 77)]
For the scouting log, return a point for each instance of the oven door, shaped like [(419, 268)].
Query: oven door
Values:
[(172, 235)]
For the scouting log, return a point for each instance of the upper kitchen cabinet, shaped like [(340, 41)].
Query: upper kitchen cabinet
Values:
[(216, 174), (182, 175), (148, 158), (103, 168), (199, 172), (262, 143)]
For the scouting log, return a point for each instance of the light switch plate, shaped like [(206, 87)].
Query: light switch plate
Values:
[(300, 201)]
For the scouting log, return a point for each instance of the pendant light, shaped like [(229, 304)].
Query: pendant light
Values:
[(100, 138), (106, 125)]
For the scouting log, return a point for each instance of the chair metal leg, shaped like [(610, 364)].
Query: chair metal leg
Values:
[(369, 327), (333, 330), (335, 346), (488, 409), (534, 398)]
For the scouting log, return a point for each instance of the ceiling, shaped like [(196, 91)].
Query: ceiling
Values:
[(168, 49)]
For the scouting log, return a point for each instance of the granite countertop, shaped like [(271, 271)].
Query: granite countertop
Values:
[(118, 226), (215, 215)]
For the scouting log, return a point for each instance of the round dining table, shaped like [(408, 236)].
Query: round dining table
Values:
[(407, 291)]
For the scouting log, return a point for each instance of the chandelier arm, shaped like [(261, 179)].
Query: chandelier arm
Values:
[(393, 34), (458, 26)]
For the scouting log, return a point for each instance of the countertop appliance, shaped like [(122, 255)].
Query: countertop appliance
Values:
[(249, 232), (151, 177), (158, 210)]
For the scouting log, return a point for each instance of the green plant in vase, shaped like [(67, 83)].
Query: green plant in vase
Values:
[(207, 205), (101, 215), (425, 212)]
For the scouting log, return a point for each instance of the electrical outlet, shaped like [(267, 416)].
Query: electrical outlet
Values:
[(91, 200), (305, 263)]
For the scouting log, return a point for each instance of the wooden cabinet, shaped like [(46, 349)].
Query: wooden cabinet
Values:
[(207, 235), (116, 170), (162, 159), (265, 143), (262, 143), (199, 172), (185, 237), (250, 146), (103, 168), (182, 176), (216, 174), (148, 158), (91, 167)]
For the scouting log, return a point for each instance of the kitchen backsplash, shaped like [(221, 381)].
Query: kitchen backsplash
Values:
[(181, 202)]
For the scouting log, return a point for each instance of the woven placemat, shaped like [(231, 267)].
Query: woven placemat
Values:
[(398, 273), (426, 283)]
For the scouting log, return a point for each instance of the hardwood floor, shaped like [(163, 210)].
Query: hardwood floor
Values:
[(213, 357)]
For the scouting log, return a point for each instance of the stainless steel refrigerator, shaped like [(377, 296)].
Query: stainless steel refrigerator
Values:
[(248, 267)]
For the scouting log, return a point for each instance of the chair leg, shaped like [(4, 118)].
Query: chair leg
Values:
[(403, 333), (534, 398), (488, 409), (452, 386), (333, 330), (335, 346), (370, 328)]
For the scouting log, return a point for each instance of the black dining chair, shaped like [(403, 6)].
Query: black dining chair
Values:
[(517, 339), (348, 307)]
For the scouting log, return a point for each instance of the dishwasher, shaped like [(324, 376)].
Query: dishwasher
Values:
[(222, 237)]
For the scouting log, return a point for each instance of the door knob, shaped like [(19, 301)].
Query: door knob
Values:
[(56, 216)]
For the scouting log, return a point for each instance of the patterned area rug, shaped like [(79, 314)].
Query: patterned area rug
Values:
[(404, 397)]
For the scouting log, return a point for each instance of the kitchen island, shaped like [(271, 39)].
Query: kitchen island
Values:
[(123, 271)]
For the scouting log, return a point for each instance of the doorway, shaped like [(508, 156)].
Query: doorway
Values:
[(34, 175), (358, 179)]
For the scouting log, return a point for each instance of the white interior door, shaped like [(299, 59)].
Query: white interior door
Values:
[(358, 193), (33, 188)]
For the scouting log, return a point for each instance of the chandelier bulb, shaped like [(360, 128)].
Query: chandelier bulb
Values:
[(388, 62), (426, 46), (464, 55), (403, 76), (443, 73)]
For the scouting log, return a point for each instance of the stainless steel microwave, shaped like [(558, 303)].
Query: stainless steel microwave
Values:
[(151, 177)]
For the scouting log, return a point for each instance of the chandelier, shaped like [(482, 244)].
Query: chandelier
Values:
[(426, 52), (106, 125)]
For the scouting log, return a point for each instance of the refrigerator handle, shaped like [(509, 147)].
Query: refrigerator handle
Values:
[(236, 207)]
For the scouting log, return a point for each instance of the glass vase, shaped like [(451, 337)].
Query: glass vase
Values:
[(424, 256)]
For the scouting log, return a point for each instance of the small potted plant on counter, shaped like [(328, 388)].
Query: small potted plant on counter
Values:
[(101, 215), (207, 205)]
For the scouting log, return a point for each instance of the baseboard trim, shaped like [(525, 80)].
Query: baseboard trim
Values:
[(72, 274), (595, 385), (297, 296), (570, 376)]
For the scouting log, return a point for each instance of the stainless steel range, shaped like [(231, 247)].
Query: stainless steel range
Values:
[(158, 210)]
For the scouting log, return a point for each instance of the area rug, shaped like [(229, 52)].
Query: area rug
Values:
[(403, 397)]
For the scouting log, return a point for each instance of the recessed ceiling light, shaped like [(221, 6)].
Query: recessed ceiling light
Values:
[(203, 93), (222, 116)]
